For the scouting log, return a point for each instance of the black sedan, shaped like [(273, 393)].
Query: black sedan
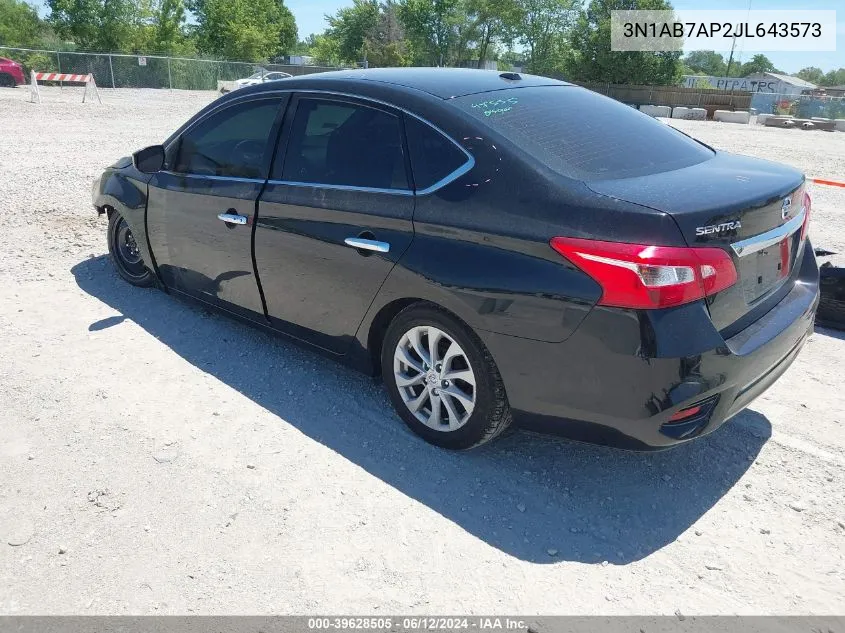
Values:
[(497, 246)]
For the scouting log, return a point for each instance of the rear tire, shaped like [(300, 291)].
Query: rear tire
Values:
[(454, 397), (7, 81), (125, 254)]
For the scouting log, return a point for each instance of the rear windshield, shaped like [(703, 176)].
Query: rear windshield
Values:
[(583, 135)]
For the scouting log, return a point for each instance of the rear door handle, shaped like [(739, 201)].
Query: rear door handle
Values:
[(367, 245), (232, 218)]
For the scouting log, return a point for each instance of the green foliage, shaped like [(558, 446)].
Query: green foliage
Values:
[(705, 63), (543, 29), (432, 27), (811, 74), (757, 64), (493, 21), (324, 49), (385, 44), (168, 25), (19, 23), (351, 26), (592, 60), (77, 20), (833, 78), (244, 29)]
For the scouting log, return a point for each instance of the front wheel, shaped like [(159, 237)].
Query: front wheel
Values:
[(442, 380), (125, 253)]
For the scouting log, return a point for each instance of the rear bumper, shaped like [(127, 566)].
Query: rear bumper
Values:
[(622, 374)]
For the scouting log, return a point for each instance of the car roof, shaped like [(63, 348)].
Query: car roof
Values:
[(445, 83)]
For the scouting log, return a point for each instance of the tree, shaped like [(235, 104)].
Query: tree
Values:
[(492, 21), (385, 45), (351, 26), (103, 25), (757, 64), (77, 20), (19, 24), (324, 49), (591, 58), (431, 26), (542, 26), (706, 63), (811, 74), (168, 22), (833, 78), (251, 30)]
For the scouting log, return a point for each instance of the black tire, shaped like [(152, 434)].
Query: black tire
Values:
[(128, 262), (491, 415), (7, 81), (831, 312)]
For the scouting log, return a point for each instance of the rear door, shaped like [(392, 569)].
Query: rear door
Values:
[(201, 207), (334, 217)]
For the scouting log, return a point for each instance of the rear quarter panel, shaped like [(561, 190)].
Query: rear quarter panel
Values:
[(481, 244)]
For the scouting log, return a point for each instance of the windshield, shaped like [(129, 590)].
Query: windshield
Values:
[(583, 135), (257, 75)]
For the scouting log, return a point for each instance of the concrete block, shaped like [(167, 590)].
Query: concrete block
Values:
[(696, 114), (653, 110), (839, 124), (762, 118), (727, 116)]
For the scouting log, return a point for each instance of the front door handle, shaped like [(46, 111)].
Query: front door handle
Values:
[(232, 218), (367, 245)]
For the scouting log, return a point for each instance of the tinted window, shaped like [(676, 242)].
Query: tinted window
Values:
[(232, 142), (433, 156), (339, 143), (584, 135)]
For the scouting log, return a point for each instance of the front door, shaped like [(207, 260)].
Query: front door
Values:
[(334, 218), (201, 208)]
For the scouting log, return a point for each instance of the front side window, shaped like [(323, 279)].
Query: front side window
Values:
[(232, 142), (341, 143)]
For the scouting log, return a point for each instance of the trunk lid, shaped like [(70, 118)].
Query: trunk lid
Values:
[(751, 208)]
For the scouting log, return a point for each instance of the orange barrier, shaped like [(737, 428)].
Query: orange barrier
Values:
[(829, 183)]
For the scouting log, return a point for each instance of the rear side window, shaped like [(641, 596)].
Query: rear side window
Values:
[(232, 142), (433, 156), (583, 135), (345, 144)]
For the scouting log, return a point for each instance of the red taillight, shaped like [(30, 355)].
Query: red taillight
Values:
[(642, 276), (806, 225)]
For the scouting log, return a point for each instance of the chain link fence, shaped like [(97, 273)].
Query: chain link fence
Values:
[(799, 106), (117, 70)]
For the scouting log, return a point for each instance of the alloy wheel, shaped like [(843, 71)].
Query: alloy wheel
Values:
[(434, 378)]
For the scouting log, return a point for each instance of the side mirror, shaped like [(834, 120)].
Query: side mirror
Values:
[(149, 160)]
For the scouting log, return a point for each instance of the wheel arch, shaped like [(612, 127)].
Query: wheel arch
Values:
[(119, 193), (385, 315), (379, 324)]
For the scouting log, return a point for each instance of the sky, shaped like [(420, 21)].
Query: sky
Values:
[(310, 19)]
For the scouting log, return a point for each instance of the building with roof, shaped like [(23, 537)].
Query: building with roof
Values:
[(775, 83), (768, 83)]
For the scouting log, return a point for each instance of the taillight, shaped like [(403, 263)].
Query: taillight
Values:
[(806, 225), (643, 277)]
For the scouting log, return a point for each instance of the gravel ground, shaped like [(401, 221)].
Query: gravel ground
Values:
[(156, 458)]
